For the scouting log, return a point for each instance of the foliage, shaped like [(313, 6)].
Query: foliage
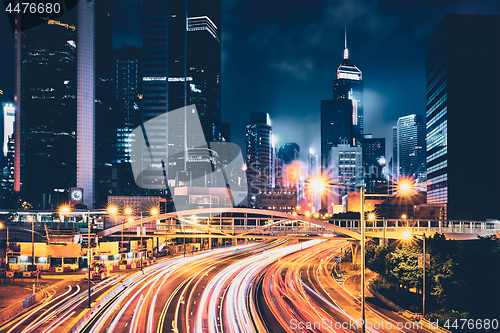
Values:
[(346, 216), (463, 275), (442, 316), (403, 267)]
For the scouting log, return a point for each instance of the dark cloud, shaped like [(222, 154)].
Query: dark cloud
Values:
[(281, 57)]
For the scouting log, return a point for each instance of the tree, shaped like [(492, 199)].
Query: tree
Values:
[(404, 262)]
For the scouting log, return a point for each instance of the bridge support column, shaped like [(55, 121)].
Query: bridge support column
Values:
[(355, 245)]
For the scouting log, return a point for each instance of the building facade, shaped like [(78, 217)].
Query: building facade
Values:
[(347, 169), (463, 116), (411, 153), (342, 117), (46, 107), (259, 154), (374, 162), (181, 67), (281, 199)]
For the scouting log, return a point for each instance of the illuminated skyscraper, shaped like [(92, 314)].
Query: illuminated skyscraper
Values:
[(259, 153), (46, 107), (181, 66), (463, 134), (342, 117), (55, 106), (411, 147)]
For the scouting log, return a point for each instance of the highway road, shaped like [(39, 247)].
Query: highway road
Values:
[(274, 286), (298, 294)]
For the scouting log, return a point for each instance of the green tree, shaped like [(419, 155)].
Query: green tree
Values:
[(404, 262)]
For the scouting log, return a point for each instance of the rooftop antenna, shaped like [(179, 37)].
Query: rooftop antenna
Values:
[(346, 51)]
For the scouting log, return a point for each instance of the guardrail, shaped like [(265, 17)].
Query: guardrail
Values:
[(15, 309)]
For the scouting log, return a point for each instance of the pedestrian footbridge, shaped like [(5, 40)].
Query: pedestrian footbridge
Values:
[(261, 223)]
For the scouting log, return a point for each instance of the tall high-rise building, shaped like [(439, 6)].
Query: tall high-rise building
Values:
[(128, 92), (181, 66), (46, 105), (336, 125), (411, 151), (55, 106), (289, 152), (259, 153), (85, 104), (7, 151), (463, 118), (347, 169), (373, 163), (394, 169), (106, 122), (342, 117)]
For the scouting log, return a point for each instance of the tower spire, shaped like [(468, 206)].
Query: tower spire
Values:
[(346, 51)]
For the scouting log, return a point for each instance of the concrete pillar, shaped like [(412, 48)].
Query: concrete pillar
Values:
[(355, 245)]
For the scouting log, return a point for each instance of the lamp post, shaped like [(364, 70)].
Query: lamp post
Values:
[(404, 187), (424, 259), (29, 218), (363, 226), (153, 212), (407, 235), (112, 210), (127, 212)]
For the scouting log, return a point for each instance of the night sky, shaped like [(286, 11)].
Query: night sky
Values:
[(280, 57)]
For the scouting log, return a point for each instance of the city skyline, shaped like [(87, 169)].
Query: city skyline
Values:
[(154, 147), (386, 39)]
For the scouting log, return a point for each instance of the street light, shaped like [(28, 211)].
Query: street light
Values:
[(404, 218), (153, 212), (407, 235), (113, 210)]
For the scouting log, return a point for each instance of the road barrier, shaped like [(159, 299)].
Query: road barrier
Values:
[(16, 309)]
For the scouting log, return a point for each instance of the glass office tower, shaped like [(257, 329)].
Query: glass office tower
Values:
[(181, 66), (463, 140)]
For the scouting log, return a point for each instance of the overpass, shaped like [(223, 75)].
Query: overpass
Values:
[(261, 223)]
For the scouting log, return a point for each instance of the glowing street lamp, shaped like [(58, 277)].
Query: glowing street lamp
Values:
[(154, 211), (128, 211), (112, 210), (404, 218)]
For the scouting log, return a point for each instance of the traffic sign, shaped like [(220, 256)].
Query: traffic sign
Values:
[(338, 258)]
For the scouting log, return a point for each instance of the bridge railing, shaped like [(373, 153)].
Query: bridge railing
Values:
[(451, 230)]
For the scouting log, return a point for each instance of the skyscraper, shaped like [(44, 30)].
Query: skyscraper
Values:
[(411, 147), (463, 140), (394, 169), (373, 163), (347, 169), (46, 106), (55, 106), (342, 117), (181, 66), (259, 153)]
